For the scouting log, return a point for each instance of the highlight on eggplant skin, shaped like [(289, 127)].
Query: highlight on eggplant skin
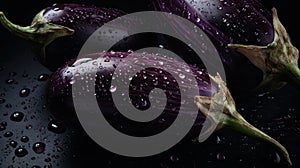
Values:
[(212, 93), (246, 22)]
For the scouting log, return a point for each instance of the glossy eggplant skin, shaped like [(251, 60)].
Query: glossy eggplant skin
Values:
[(84, 20), (226, 22), (60, 90)]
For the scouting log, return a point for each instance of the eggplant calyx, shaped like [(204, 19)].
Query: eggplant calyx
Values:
[(274, 59), (40, 32), (229, 117)]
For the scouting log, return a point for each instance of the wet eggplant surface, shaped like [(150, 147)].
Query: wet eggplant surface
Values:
[(31, 137)]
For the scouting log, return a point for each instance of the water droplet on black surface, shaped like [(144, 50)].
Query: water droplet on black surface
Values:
[(38, 147), (56, 127), (28, 126), (21, 152), (220, 156), (43, 77), (218, 140), (8, 134), (17, 116), (2, 100), (13, 143), (24, 139), (2, 128), (10, 81), (24, 92), (3, 123), (8, 105), (174, 158), (277, 158), (47, 159)]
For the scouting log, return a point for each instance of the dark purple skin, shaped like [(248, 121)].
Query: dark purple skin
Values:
[(60, 91), (84, 20), (226, 22)]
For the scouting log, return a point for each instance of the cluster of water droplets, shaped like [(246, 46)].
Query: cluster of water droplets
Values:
[(23, 111)]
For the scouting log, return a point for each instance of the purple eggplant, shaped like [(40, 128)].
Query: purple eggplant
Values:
[(108, 66), (231, 23), (59, 31)]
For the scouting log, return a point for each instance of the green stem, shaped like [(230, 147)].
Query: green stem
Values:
[(40, 32), (293, 72), (241, 125), (23, 32)]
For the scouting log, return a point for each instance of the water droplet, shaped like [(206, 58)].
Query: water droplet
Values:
[(43, 77), (8, 105), (160, 63), (28, 126), (198, 20), (107, 59), (174, 158), (47, 159), (24, 92), (72, 81), (218, 140), (17, 116), (38, 147), (112, 88), (2, 100), (24, 139), (8, 134), (10, 81), (2, 127), (221, 156), (56, 127), (182, 76), (3, 123), (13, 143), (144, 103), (277, 158), (21, 152)]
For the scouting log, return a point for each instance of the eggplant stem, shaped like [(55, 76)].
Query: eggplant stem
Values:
[(221, 110), (278, 60), (293, 72), (40, 32), (23, 32), (244, 127)]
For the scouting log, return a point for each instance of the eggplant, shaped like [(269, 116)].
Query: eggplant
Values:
[(232, 25), (208, 92), (59, 31)]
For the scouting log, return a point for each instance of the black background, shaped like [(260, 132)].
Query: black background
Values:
[(276, 113)]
